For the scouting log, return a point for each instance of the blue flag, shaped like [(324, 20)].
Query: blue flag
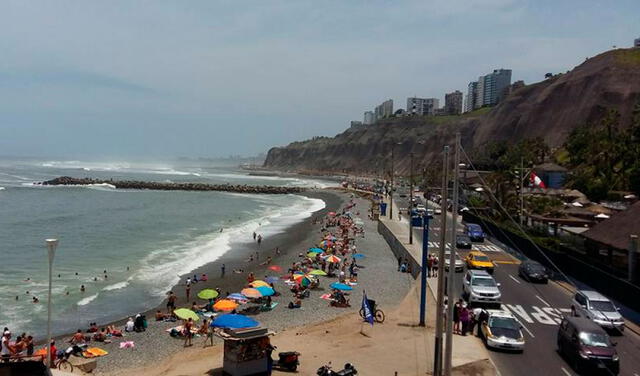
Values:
[(366, 309)]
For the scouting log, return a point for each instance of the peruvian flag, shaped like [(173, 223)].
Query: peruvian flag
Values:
[(536, 181)]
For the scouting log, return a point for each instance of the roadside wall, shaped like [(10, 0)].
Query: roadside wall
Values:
[(399, 250)]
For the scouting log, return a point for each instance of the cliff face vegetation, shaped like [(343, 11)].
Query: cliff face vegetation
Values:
[(549, 110)]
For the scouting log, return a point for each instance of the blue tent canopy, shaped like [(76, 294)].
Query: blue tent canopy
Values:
[(341, 286)]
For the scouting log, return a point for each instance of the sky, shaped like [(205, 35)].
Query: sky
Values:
[(104, 79)]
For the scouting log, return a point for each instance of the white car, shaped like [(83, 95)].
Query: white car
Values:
[(459, 264), (502, 331)]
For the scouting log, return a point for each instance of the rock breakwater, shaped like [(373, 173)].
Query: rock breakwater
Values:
[(163, 186)]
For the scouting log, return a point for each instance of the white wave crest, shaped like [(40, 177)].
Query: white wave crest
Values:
[(1, 188), (87, 300), (116, 286)]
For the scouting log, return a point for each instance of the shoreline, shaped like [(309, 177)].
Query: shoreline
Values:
[(235, 257)]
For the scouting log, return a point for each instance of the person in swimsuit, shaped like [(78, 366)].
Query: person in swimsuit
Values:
[(188, 336), (171, 302)]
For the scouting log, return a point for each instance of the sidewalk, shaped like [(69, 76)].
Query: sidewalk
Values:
[(467, 350)]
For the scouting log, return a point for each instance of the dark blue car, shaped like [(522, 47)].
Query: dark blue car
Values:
[(474, 232)]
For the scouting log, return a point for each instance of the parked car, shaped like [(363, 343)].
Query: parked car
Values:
[(459, 264), (474, 232), (586, 346), (478, 260), (533, 271), (596, 307), (502, 331), (463, 242), (479, 287)]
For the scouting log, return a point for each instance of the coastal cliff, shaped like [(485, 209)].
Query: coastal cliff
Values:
[(550, 109)]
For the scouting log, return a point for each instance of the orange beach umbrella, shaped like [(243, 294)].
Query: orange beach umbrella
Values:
[(225, 305)]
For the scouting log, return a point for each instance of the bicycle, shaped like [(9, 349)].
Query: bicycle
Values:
[(378, 314), (63, 364)]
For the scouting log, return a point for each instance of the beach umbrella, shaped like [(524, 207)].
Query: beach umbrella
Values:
[(233, 321), (258, 283), (275, 268), (332, 259), (265, 290), (315, 250), (358, 256), (207, 294), (317, 272), (271, 279), (340, 286), (185, 314), (302, 279), (237, 297), (312, 255), (251, 293), (225, 305)]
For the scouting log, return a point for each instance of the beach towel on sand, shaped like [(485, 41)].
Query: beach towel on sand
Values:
[(127, 345), (94, 352)]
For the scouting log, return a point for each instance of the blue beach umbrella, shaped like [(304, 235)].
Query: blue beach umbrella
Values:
[(341, 286), (265, 291), (315, 250), (233, 321), (237, 296), (271, 279), (358, 256)]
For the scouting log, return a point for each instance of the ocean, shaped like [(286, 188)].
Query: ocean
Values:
[(157, 235)]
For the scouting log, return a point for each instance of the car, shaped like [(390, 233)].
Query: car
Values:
[(474, 232), (459, 264), (596, 307), (586, 346), (502, 331), (463, 242), (478, 260), (533, 271), (480, 287)]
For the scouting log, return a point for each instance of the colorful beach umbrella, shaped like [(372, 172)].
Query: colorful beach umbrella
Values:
[(237, 297), (266, 291), (317, 272), (340, 286), (233, 321), (251, 293), (332, 259), (312, 255), (258, 283), (185, 314), (207, 294), (315, 250), (275, 268), (225, 305), (302, 279)]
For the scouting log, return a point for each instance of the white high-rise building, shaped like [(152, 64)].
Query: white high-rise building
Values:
[(368, 118), (422, 106), (489, 89), (384, 110)]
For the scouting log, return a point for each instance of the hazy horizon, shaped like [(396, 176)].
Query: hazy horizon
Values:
[(211, 79)]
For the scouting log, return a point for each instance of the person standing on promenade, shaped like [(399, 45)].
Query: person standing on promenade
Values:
[(456, 316), (429, 265), (464, 319)]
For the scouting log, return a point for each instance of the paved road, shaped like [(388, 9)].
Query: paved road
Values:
[(539, 308)]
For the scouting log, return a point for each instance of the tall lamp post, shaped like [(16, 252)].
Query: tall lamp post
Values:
[(391, 192), (423, 273), (52, 244), (411, 200)]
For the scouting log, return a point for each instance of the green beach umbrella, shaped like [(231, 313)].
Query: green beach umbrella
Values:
[(185, 314), (317, 272), (208, 294)]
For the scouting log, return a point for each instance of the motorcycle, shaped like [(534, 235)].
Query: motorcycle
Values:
[(287, 361), (348, 370)]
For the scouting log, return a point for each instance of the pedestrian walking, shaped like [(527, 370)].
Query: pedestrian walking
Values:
[(464, 319), (435, 266), (456, 316), (429, 265)]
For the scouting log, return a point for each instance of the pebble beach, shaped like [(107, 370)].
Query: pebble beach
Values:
[(378, 276)]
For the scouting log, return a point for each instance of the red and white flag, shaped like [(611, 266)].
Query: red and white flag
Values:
[(536, 181)]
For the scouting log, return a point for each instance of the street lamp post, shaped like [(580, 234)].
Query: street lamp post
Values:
[(423, 273), (411, 200), (52, 244), (391, 193)]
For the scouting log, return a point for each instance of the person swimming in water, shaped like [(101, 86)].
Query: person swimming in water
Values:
[(82, 289)]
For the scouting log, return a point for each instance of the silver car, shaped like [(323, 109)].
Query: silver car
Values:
[(502, 331), (598, 308), (480, 287), (459, 264)]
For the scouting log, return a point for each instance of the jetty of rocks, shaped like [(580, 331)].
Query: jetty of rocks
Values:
[(164, 186)]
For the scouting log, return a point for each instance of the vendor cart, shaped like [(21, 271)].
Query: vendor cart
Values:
[(245, 351)]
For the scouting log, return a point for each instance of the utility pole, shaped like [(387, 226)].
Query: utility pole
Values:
[(452, 260), (423, 273), (392, 173), (521, 191), (411, 200), (437, 356)]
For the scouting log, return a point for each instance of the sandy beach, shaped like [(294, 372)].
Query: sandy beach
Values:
[(378, 276)]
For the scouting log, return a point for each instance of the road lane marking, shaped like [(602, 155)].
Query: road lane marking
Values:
[(542, 300), (515, 279), (565, 371), (544, 317), (528, 331), (517, 309)]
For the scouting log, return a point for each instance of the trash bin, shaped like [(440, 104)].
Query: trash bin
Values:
[(383, 208), (416, 221)]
